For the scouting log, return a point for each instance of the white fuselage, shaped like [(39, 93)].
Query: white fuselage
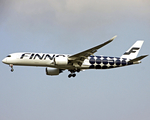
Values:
[(48, 60)]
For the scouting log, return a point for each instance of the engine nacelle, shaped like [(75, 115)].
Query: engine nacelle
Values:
[(61, 60), (53, 71)]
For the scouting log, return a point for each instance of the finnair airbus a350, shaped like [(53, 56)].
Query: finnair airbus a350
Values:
[(57, 63)]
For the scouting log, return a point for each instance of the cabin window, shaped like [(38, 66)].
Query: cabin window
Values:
[(8, 55)]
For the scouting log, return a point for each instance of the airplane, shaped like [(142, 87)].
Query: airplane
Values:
[(57, 63)]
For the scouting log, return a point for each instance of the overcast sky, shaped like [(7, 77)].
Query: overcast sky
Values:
[(67, 26)]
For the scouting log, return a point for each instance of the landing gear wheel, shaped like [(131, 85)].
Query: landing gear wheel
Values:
[(73, 75), (69, 76), (12, 70)]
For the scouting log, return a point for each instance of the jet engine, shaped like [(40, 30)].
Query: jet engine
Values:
[(61, 60), (53, 71)]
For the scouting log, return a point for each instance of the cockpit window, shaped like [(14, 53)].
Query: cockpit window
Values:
[(9, 56)]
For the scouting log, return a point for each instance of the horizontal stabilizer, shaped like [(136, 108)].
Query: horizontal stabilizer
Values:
[(138, 58)]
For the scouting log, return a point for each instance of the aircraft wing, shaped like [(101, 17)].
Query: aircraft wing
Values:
[(80, 57)]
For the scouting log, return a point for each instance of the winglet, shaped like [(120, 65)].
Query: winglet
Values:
[(113, 38)]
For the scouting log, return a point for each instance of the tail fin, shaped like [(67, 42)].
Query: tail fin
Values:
[(133, 51)]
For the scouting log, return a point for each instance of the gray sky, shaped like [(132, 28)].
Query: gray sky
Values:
[(67, 26)]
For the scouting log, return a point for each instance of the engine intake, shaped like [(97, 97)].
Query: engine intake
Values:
[(61, 60), (53, 71)]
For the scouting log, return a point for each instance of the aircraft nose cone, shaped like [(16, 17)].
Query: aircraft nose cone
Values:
[(4, 60)]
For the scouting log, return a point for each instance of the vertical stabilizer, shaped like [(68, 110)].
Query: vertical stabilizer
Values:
[(133, 51)]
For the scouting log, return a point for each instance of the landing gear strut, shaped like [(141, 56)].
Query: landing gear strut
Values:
[(11, 65)]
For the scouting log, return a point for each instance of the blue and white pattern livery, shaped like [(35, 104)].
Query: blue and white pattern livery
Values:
[(105, 62)]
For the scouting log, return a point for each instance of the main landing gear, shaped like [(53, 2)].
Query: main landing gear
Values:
[(11, 65), (73, 73)]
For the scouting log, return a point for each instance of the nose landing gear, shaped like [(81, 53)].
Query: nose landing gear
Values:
[(11, 65)]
